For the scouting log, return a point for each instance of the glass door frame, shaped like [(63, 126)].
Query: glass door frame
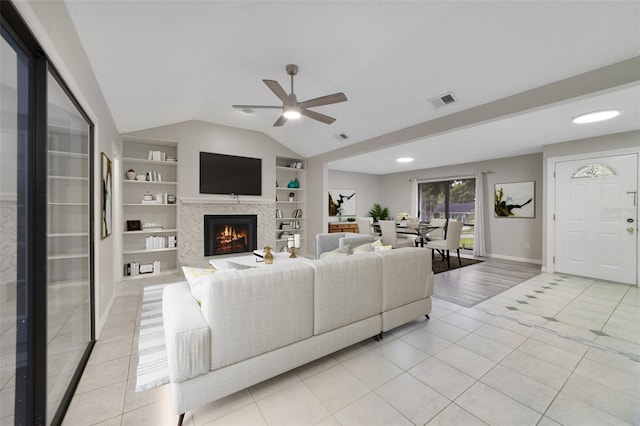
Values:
[(30, 407)]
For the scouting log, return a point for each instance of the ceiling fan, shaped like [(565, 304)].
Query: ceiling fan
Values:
[(291, 108)]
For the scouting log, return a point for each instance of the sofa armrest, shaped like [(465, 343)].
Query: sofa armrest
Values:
[(186, 333), (327, 242)]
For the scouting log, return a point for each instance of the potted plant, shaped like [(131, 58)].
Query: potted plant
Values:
[(378, 212)]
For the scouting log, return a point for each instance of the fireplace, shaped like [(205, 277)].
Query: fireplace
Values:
[(228, 234)]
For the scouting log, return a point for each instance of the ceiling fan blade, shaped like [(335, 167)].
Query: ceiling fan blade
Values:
[(277, 89), (257, 106), (280, 121), (317, 116), (323, 100)]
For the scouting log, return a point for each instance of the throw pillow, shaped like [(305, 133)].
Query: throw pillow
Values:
[(340, 251), (377, 243), (381, 247), (364, 248), (196, 278)]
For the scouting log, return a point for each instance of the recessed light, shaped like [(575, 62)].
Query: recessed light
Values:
[(593, 117), (404, 159)]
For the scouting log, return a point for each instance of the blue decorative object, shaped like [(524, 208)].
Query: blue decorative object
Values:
[(294, 184)]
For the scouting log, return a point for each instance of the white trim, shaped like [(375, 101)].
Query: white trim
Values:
[(549, 265), (225, 200), (100, 322), (9, 196)]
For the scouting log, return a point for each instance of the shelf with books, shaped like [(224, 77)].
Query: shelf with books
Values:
[(290, 198), (149, 188)]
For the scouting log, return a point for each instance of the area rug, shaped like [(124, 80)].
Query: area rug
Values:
[(153, 369), (438, 265)]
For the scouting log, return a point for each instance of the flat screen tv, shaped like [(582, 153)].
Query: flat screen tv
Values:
[(230, 174)]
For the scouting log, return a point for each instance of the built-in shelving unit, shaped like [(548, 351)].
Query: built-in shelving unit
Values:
[(290, 202), (150, 198), (68, 244)]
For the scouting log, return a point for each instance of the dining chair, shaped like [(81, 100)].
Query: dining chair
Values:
[(364, 226), (451, 242), (437, 234), (390, 237)]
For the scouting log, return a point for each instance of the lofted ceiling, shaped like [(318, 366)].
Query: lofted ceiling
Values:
[(162, 62)]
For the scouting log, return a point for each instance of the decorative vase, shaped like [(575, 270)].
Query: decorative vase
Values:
[(268, 257), (131, 175)]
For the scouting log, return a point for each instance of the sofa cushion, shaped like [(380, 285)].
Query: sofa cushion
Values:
[(363, 248), (346, 289), (340, 251), (252, 311), (198, 277)]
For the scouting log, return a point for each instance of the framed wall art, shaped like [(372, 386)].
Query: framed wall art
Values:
[(107, 188), (516, 200), (342, 202)]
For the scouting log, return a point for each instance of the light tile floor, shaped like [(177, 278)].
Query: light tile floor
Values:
[(553, 350)]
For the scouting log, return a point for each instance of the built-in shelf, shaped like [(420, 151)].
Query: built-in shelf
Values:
[(149, 250), (68, 256), (135, 153), (169, 271), (149, 205), (68, 154), (69, 204), (145, 182), (77, 178), (284, 175), (150, 162), (157, 231), (68, 234)]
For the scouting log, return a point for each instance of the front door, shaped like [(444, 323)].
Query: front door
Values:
[(596, 218)]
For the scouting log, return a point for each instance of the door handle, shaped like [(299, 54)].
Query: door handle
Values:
[(630, 229)]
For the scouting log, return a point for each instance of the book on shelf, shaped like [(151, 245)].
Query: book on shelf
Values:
[(157, 156)]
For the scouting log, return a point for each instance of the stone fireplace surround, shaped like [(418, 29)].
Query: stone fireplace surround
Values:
[(191, 222)]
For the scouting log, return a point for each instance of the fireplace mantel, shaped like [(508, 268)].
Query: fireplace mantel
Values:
[(225, 200)]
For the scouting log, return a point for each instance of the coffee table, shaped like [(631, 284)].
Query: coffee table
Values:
[(252, 261)]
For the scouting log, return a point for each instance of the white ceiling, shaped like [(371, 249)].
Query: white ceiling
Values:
[(170, 61)]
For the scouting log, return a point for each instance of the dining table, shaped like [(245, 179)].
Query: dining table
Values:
[(421, 231)]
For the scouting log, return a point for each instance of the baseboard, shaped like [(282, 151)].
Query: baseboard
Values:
[(515, 259), (100, 322)]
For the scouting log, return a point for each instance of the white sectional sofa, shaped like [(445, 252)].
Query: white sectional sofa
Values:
[(254, 324)]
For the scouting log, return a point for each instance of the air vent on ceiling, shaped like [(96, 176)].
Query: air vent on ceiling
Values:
[(443, 100), (342, 136)]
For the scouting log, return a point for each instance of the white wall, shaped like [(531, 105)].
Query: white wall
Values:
[(506, 238), (52, 26), (195, 136), (366, 186)]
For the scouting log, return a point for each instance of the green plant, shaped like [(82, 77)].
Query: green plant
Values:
[(378, 212)]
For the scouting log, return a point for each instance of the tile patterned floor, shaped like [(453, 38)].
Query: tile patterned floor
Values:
[(554, 350)]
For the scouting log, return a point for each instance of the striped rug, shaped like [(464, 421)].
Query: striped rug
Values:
[(153, 369)]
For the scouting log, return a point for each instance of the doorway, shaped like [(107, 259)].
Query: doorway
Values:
[(596, 215)]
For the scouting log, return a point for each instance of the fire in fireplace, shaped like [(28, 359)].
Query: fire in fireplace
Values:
[(227, 234)]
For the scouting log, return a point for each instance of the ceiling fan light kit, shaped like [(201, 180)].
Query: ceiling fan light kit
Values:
[(291, 108)]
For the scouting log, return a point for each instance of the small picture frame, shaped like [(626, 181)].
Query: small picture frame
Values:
[(134, 225)]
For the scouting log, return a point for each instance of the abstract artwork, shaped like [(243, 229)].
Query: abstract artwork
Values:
[(342, 202), (515, 200), (107, 187)]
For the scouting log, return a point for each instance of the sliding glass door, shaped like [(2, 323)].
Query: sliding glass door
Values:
[(46, 243), (14, 229), (69, 316), (450, 199)]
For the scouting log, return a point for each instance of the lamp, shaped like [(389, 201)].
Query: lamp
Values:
[(293, 242)]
